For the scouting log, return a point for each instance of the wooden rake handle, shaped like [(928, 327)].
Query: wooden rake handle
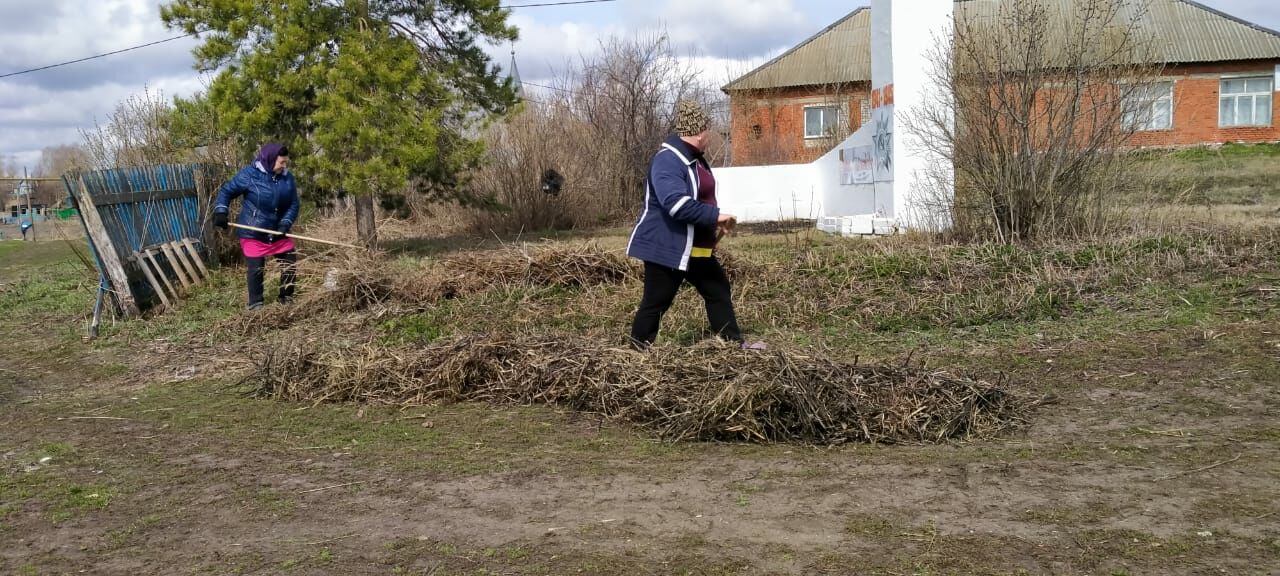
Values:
[(294, 236)]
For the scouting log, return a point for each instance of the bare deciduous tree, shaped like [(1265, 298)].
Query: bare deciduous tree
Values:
[(627, 95), (136, 134), (9, 167), (599, 126), (539, 137), (58, 160), (1045, 103)]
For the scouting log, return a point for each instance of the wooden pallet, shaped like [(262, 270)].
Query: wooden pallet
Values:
[(185, 269)]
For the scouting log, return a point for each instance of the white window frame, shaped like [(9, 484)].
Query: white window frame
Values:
[(1252, 98), (1134, 119), (833, 109)]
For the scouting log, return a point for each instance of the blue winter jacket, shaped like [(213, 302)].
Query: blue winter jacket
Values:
[(664, 233), (270, 201)]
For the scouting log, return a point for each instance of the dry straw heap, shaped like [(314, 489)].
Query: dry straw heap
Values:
[(360, 282), (363, 282), (709, 391)]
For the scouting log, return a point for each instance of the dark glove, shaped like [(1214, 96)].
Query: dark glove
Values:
[(284, 227), (220, 219)]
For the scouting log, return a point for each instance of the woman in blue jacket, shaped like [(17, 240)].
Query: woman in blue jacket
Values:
[(678, 230), (270, 202)]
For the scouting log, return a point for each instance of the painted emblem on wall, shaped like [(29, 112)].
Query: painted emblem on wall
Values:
[(882, 138)]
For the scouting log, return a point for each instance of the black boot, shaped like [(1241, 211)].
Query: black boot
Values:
[(254, 277), (288, 276)]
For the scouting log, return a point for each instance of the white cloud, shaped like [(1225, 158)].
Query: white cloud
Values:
[(728, 28), (725, 37), (717, 72), (87, 28), (49, 107), (545, 50), (34, 117)]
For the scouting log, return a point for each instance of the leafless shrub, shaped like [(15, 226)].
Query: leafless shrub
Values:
[(58, 160), (598, 126), (135, 134), (1035, 112)]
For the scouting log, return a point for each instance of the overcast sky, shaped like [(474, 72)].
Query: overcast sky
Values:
[(49, 107)]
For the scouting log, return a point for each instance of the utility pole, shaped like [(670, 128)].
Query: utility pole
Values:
[(30, 215)]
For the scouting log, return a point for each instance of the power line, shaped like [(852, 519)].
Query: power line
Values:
[(96, 56), (105, 54)]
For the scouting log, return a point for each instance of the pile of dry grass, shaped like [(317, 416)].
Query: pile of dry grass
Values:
[(363, 281), (709, 391)]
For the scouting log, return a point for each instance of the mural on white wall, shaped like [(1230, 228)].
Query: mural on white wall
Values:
[(857, 165), (866, 184)]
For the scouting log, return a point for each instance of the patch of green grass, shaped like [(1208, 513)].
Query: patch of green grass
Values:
[(462, 440), (72, 499), (58, 293), (421, 328), (124, 537), (1233, 174), (1231, 150), (61, 500), (265, 500), (1134, 545), (56, 450), (1237, 505), (220, 297), (28, 258), (870, 526), (1060, 515)]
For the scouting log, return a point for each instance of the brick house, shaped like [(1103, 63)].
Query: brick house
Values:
[(1220, 80)]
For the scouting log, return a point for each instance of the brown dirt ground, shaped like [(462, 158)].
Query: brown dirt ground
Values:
[(1161, 458)]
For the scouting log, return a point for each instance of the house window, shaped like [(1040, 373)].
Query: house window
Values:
[(1149, 107), (756, 131), (820, 121), (1245, 102)]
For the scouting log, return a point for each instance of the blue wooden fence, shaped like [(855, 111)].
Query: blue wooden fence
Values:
[(135, 208)]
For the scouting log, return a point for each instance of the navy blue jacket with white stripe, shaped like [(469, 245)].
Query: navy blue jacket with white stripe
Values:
[(664, 233)]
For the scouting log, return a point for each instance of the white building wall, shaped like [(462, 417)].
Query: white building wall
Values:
[(768, 193), (873, 181)]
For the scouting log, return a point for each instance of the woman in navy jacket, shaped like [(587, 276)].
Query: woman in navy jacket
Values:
[(678, 231), (270, 202)]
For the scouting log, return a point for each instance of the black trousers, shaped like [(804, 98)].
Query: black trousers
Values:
[(257, 275), (660, 287)]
